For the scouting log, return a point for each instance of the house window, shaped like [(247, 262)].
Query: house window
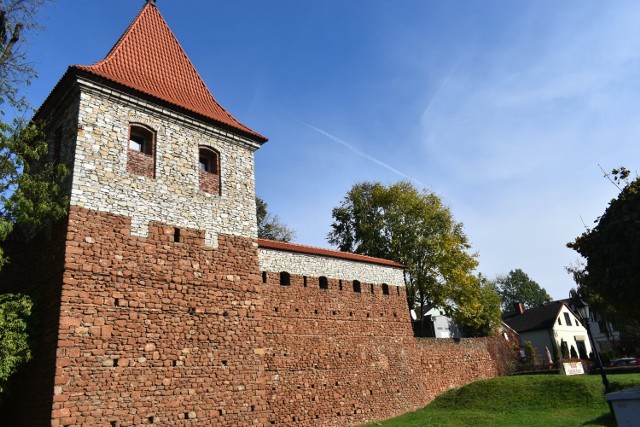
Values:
[(324, 283), (567, 319), (559, 322), (209, 170), (141, 158)]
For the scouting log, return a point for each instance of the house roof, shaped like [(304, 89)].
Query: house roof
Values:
[(149, 59), (542, 317), (311, 250)]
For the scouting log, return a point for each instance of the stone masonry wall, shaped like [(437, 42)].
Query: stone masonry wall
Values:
[(35, 269), (336, 357), (155, 331), (316, 265), (101, 181)]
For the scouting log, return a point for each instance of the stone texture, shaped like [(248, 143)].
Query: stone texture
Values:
[(102, 182), (315, 265)]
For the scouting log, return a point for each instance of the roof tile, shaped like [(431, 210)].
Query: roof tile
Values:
[(148, 58), (312, 250)]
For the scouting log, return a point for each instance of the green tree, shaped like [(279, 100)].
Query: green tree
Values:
[(31, 193), (477, 308), (609, 280), (269, 226), (15, 310), (530, 354), (412, 227), (517, 287)]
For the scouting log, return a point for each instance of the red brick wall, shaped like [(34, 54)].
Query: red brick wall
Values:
[(35, 269), (337, 357), (209, 182), (154, 331), (141, 163), (164, 332)]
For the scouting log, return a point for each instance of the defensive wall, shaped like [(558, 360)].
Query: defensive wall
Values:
[(153, 331), (156, 303)]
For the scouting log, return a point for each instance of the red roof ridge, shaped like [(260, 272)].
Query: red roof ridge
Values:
[(149, 58), (314, 250)]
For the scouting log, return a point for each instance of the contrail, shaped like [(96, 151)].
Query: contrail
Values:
[(361, 154), (442, 86)]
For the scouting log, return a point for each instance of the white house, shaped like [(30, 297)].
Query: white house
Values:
[(547, 326)]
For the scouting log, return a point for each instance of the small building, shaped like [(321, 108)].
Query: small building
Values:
[(547, 326)]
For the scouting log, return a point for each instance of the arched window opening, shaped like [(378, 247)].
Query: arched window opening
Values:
[(141, 158), (285, 278), (385, 289), (356, 286), (209, 170), (324, 282)]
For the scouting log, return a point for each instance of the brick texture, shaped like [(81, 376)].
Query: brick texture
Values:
[(141, 163), (164, 330), (157, 329)]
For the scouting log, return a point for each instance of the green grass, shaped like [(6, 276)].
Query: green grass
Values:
[(531, 400)]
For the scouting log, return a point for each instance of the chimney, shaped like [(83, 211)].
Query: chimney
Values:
[(518, 307)]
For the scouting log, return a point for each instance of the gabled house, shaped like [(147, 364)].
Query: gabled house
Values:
[(604, 333), (547, 326)]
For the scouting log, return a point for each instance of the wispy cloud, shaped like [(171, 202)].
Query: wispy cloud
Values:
[(363, 154)]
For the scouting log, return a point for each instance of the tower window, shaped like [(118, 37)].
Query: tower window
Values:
[(324, 283), (141, 158), (209, 170), (141, 140)]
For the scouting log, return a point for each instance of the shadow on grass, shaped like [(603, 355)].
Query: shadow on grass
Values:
[(606, 420)]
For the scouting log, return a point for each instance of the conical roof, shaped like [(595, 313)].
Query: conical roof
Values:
[(148, 58)]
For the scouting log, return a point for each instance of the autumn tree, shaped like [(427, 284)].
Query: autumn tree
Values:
[(609, 278), (412, 227), (518, 287), (269, 226)]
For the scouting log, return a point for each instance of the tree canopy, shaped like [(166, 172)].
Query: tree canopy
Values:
[(269, 226), (610, 277), (412, 227), (517, 287)]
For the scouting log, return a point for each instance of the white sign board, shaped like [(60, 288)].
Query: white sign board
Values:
[(573, 368)]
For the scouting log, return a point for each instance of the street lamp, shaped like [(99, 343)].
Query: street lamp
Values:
[(583, 311)]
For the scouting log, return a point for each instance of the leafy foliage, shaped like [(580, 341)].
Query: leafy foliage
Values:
[(517, 287), (530, 355), (15, 310), (269, 226), (609, 280), (412, 227), (31, 194)]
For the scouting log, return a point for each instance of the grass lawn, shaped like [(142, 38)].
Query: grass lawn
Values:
[(531, 400)]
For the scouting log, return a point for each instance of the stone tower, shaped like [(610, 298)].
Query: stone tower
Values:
[(157, 318)]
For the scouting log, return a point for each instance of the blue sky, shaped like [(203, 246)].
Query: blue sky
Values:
[(504, 109)]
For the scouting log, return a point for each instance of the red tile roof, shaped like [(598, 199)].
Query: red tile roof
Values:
[(311, 250), (148, 58)]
